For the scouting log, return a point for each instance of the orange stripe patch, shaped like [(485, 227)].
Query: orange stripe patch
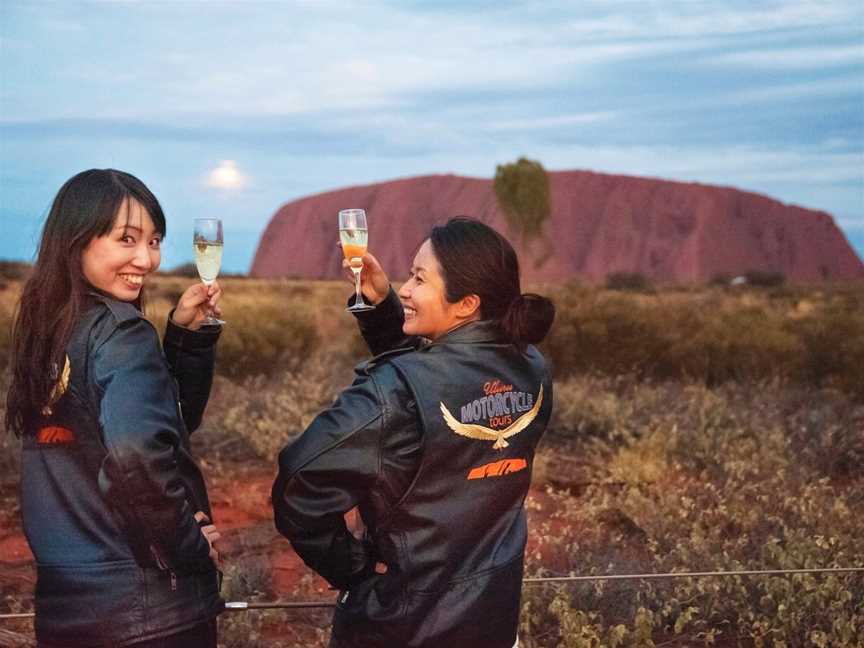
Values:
[(498, 468), (54, 436)]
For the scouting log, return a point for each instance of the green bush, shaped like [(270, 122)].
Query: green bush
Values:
[(522, 190)]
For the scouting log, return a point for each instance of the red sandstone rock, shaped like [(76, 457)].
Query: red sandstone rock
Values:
[(667, 231)]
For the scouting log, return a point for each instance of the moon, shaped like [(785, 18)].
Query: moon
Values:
[(226, 176)]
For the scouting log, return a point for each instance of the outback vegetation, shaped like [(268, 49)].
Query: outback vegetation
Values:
[(522, 191), (695, 429)]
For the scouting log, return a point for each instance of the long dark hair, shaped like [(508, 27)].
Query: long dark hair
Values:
[(55, 294), (475, 259)]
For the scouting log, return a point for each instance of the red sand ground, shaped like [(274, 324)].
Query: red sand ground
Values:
[(243, 515)]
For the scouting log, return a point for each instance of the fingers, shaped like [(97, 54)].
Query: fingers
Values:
[(201, 293), (346, 265), (214, 292), (380, 568), (370, 262), (211, 533), (196, 304)]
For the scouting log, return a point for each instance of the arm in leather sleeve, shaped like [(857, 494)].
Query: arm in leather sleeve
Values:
[(140, 427), (327, 471), (381, 328), (192, 357)]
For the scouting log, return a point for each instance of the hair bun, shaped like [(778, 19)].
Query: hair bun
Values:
[(528, 319)]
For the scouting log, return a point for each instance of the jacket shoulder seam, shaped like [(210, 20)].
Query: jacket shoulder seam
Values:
[(335, 444)]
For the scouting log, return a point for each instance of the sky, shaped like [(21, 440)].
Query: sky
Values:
[(231, 109)]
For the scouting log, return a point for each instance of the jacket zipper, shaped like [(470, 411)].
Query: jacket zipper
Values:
[(164, 567)]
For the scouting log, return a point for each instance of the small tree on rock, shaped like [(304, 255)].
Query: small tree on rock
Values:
[(522, 190)]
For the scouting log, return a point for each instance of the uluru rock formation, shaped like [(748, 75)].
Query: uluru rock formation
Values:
[(599, 224)]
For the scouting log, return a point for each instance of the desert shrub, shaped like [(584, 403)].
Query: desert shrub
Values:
[(188, 270), (10, 446), (270, 336), (8, 302), (264, 413), (247, 577), (765, 278), (826, 436), (611, 335), (716, 480), (745, 344), (712, 337), (13, 271), (628, 281), (833, 348)]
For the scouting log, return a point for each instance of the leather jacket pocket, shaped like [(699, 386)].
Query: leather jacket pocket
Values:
[(481, 609), (89, 604)]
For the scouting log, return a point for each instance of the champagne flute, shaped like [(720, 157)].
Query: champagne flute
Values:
[(353, 235), (207, 245)]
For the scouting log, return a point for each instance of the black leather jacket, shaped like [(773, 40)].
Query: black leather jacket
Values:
[(435, 444), (109, 487)]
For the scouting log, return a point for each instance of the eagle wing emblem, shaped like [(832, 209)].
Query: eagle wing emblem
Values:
[(60, 387), (483, 433)]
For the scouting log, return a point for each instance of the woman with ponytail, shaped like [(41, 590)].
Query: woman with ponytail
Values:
[(434, 444)]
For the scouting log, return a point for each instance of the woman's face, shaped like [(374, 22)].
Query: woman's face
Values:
[(427, 311), (118, 262)]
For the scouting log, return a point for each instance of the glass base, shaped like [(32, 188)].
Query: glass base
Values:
[(213, 321), (359, 308)]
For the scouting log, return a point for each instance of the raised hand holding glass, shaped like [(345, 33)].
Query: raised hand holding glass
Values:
[(353, 233)]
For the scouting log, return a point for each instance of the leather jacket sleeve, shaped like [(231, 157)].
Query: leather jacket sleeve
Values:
[(326, 472), (381, 328), (192, 357), (142, 433)]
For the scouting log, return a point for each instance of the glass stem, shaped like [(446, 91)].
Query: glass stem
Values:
[(359, 299), (210, 316)]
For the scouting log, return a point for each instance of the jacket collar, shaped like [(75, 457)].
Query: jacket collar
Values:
[(473, 333)]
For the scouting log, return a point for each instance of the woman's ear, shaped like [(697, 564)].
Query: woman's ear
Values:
[(468, 307)]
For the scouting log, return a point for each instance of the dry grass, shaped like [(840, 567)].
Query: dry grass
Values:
[(694, 429)]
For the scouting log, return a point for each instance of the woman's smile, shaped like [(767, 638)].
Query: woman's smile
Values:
[(117, 262), (133, 279)]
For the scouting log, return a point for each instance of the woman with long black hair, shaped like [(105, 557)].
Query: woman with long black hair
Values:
[(114, 506), (434, 442)]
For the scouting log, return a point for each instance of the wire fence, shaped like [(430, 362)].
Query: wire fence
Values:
[(243, 606)]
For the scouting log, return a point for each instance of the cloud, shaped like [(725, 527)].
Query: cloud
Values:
[(550, 122), (842, 86), (226, 176), (306, 58), (802, 57)]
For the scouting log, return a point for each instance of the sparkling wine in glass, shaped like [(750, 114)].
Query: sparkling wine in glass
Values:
[(207, 245), (353, 234)]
